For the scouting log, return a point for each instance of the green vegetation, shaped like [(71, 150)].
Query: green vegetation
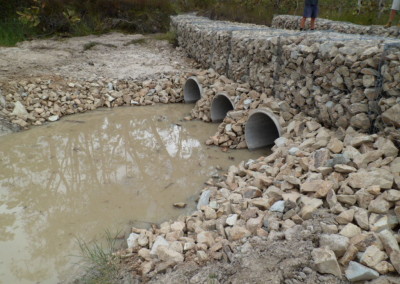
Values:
[(23, 19), (92, 44), (168, 36), (98, 261), (12, 32), (136, 41), (262, 11), (369, 13), (212, 278)]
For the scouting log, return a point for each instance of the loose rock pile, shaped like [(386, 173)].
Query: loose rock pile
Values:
[(33, 101), (312, 171), (342, 80), (293, 23)]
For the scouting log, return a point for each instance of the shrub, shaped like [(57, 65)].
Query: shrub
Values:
[(13, 31)]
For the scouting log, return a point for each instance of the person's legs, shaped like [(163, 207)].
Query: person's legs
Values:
[(313, 23), (314, 15), (303, 23), (393, 12), (391, 18), (307, 14)]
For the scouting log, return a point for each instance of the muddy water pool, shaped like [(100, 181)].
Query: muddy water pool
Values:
[(98, 171)]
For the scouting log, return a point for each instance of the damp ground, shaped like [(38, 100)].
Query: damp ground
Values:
[(113, 55), (98, 171)]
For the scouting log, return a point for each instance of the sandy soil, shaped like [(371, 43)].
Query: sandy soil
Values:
[(116, 55)]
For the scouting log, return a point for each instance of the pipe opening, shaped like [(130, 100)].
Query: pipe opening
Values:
[(262, 129), (192, 91), (220, 106)]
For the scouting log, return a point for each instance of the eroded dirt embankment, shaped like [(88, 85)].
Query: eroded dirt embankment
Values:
[(114, 55)]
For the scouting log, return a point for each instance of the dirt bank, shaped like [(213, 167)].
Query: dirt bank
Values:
[(114, 55)]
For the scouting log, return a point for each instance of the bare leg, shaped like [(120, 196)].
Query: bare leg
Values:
[(391, 18), (313, 23), (303, 23)]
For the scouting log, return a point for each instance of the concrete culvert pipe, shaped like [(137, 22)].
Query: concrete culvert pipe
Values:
[(192, 91), (261, 129), (220, 106)]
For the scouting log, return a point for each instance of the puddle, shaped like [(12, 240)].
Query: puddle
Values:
[(96, 171)]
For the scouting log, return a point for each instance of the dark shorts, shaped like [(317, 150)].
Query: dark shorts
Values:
[(310, 11)]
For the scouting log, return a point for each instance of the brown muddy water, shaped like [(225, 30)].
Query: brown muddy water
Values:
[(98, 171)]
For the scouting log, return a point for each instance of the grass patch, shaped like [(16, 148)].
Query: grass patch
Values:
[(136, 41), (89, 25), (12, 32), (98, 261), (92, 44), (82, 29), (362, 19), (212, 279), (168, 36)]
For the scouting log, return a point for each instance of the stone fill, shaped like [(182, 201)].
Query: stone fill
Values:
[(293, 23), (340, 79)]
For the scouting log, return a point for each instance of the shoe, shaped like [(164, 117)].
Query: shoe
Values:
[(388, 25)]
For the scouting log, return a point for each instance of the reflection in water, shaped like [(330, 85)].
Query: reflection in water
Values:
[(72, 179)]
